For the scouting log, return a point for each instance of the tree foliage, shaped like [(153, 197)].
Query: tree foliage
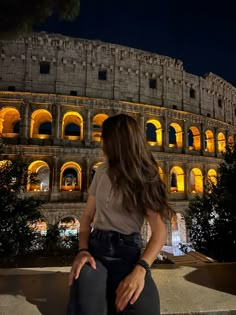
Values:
[(211, 219), (18, 213), (17, 17)]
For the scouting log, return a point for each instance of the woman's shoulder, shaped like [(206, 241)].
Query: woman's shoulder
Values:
[(102, 168)]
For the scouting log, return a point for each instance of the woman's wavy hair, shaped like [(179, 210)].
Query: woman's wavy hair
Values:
[(132, 169)]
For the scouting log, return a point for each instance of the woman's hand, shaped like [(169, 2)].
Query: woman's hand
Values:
[(80, 260), (130, 288)]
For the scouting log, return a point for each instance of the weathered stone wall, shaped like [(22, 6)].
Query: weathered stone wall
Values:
[(74, 66)]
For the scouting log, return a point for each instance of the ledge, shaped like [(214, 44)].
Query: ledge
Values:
[(196, 289)]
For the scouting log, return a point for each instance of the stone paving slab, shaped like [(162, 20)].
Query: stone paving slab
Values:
[(200, 289)]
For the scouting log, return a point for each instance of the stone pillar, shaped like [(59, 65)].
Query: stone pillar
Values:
[(166, 170), (185, 137), (142, 124), (202, 135), (204, 175), (215, 131), (165, 135), (25, 122), (88, 128), (56, 124), (186, 181), (55, 180)]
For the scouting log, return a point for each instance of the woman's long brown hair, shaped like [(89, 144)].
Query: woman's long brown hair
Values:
[(133, 170)]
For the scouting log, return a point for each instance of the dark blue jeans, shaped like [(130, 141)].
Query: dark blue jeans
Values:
[(94, 292)]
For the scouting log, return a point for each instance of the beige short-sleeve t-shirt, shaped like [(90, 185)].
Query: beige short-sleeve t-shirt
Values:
[(110, 215)]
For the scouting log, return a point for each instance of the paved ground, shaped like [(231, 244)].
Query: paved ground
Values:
[(196, 289)]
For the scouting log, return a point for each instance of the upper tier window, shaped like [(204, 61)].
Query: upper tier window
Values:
[(192, 93), (102, 75), (152, 83), (44, 67)]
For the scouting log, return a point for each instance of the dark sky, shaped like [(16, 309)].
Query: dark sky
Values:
[(200, 33)]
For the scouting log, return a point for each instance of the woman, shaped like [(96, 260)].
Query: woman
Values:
[(108, 276)]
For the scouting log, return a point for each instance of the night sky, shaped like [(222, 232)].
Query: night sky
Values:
[(200, 33)]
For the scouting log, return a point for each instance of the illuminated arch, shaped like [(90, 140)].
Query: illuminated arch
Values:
[(72, 126), (154, 132), (68, 226), (196, 181), (41, 124), (97, 126), (175, 135), (194, 138), (209, 141), (41, 227), (176, 179), (42, 170), (221, 142), (212, 176), (70, 177), (9, 122)]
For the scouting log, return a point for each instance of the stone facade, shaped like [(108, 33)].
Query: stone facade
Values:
[(56, 91)]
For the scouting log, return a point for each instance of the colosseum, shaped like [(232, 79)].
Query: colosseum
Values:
[(55, 93)]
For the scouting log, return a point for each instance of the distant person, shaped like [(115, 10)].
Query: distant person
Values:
[(109, 274)]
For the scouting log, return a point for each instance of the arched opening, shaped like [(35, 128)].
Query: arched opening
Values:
[(154, 132), (176, 179), (70, 177), (175, 136), (196, 181), (45, 128), (69, 226), (209, 141), (9, 122), (42, 171), (72, 130), (41, 227), (72, 126), (97, 126), (194, 138), (221, 142), (41, 124), (212, 176)]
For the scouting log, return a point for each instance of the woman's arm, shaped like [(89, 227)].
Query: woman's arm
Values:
[(130, 288), (157, 239), (85, 228)]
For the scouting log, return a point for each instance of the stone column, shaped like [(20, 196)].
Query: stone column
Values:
[(55, 180), (185, 137), (186, 181), (88, 128), (56, 124), (202, 135), (165, 135), (215, 131), (25, 122), (142, 124), (166, 170)]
